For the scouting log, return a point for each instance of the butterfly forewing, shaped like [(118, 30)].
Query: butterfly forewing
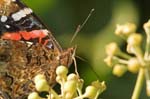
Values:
[(18, 22)]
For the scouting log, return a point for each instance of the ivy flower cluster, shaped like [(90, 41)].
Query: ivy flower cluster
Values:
[(134, 59), (71, 86)]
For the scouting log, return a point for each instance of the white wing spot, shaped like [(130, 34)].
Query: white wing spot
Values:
[(18, 15), (3, 18), (21, 14), (7, 26), (27, 11)]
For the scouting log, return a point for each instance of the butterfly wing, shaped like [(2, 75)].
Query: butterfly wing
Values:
[(19, 22)]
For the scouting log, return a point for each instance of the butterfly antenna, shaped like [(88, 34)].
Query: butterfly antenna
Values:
[(81, 26), (80, 58), (73, 37)]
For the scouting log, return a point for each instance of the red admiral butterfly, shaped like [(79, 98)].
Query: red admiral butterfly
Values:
[(26, 49)]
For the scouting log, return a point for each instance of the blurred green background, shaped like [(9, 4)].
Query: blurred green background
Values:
[(63, 16)]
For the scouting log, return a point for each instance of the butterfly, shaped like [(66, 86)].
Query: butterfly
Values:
[(27, 48)]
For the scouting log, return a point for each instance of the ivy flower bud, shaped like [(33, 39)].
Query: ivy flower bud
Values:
[(39, 77), (133, 65), (134, 39), (125, 29), (91, 92), (42, 85), (108, 60), (62, 71), (119, 70), (72, 77), (70, 88), (59, 79), (112, 49), (101, 86), (34, 95)]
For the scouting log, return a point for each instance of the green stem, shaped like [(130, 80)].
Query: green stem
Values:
[(139, 84), (54, 93), (140, 79), (119, 60), (79, 91), (98, 93), (124, 55)]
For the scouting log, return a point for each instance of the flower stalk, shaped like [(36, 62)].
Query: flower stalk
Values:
[(139, 84)]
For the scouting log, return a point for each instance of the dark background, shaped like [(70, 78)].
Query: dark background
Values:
[(63, 16)]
